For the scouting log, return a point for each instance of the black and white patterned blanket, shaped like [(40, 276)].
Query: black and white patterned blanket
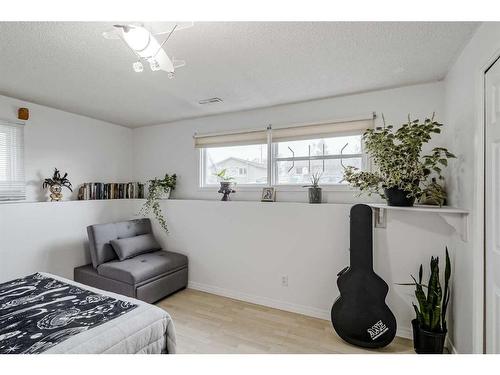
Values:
[(38, 312)]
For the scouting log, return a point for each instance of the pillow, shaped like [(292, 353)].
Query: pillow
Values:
[(130, 247)]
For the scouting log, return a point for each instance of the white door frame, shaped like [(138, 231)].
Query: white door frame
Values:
[(478, 245), (493, 60)]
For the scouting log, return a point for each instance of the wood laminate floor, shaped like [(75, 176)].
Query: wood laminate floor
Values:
[(206, 323)]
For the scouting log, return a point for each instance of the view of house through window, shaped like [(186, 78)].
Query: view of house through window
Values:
[(247, 165), (293, 161)]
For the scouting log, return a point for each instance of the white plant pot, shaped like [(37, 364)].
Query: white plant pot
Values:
[(165, 194)]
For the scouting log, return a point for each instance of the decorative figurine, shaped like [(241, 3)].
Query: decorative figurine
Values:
[(55, 184), (226, 184), (226, 188)]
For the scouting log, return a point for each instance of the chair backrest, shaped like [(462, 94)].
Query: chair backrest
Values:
[(100, 236)]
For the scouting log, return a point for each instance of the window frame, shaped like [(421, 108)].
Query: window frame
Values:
[(211, 187), (272, 172), (21, 194), (326, 186)]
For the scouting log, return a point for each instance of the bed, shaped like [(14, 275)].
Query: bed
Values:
[(44, 313)]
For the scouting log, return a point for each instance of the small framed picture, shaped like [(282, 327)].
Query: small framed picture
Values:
[(268, 194)]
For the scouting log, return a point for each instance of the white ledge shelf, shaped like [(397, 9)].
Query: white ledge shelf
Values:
[(455, 217)]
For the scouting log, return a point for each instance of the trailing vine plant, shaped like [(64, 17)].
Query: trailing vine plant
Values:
[(156, 189), (398, 162)]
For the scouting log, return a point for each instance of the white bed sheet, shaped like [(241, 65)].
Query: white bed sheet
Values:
[(146, 329)]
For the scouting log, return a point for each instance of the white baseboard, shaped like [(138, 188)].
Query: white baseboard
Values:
[(405, 333), (264, 301), (277, 304), (450, 346)]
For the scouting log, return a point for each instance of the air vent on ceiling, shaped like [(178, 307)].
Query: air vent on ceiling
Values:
[(211, 101)]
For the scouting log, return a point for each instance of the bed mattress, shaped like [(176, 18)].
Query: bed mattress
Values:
[(145, 329)]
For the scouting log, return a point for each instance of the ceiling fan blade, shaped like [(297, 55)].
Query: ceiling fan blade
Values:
[(113, 33), (178, 63), (164, 61), (165, 28)]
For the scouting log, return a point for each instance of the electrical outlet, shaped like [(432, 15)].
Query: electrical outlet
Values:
[(284, 280)]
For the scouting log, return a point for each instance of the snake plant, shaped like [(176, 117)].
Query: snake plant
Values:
[(431, 309)]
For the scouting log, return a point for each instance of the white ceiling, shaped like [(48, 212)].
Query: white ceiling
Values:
[(70, 65)]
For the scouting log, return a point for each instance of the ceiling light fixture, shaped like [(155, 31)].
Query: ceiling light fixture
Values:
[(138, 67), (146, 47)]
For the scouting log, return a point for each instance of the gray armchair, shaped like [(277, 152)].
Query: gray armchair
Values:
[(126, 259)]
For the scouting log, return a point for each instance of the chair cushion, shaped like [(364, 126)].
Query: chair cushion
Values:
[(143, 267), (130, 247), (100, 236)]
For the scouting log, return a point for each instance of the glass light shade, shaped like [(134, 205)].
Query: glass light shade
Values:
[(137, 37), (138, 67)]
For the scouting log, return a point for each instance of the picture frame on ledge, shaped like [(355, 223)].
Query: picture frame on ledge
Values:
[(268, 194)]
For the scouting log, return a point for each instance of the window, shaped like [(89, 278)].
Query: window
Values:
[(295, 161), (12, 186), (283, 156), (247, 165)]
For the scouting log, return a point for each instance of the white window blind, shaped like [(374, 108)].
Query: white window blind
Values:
[(321, 130), (12, 184), (250, 137)]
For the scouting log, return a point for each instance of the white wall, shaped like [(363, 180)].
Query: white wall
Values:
[(169, 148), (89, 150), (242, 249), (51, 236), (464, 106), (260, 243)]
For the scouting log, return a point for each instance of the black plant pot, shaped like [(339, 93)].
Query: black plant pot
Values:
[(426, 342), (315, 195), (398, 197), (226, 188)]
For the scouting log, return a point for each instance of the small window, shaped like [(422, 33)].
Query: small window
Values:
[(295, 161), (247, 165), (12, 184)]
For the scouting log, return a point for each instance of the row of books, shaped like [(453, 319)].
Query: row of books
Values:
[(100, 190)]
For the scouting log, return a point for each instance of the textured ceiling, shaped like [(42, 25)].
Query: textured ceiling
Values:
[(70, 65)]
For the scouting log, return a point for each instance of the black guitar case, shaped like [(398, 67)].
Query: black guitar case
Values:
[(360, 315)]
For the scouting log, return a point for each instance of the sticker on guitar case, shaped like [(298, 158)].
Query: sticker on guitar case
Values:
[(377, 330)]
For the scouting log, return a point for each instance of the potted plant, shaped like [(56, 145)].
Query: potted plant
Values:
[(226, 184), (314, 189), (162, 188), (55, 185), (401, 172), (429, 326), (159, 189), (434, 194)]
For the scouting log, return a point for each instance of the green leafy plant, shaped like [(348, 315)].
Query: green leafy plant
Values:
[(221, 175), (57, 180), (315, 177), (398, 159), (431, 309), (433, 194), (156, 189)]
